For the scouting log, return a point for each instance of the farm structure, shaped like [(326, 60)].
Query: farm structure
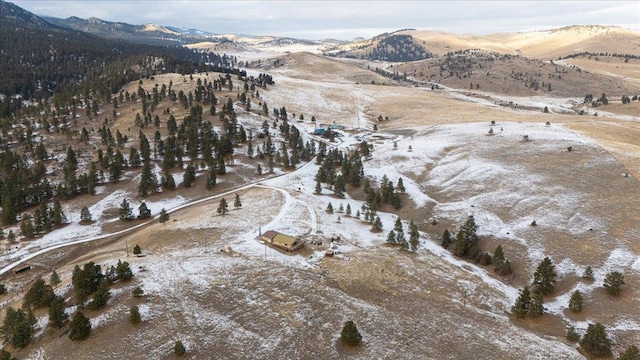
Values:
[(282, 241)]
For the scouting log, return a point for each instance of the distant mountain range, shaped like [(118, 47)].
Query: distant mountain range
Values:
[(146, 34)]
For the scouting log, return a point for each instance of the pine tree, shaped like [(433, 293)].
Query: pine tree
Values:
[(400, 186), (54, 279), (575, 303), (57, 316), (536, 306), (588, 273), (17, 327), (521, 307), (134, 315), (125, 211), (391, 238), (137, 250), (189, 176), (137, 292), (376, 225), (397, 226), (544, 279), (595, 341), (631, 353), (414, 236), (613, 283), (80, 327), (446, 239), (348, 210), (143, 211), (101, 297), (350, 335), (123, 271), (85, 214), (164, 216), (498, 258), (211, 178), (330, 209), (237, 203), (223, 208)]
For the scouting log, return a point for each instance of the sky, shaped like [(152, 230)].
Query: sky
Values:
[(346, 20)]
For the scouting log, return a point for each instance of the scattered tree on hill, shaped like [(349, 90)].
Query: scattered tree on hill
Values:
[(123, 271), (544, 279), (613, 283), (80, 327), (17, 327), (57, 316), (223, 208), (164, 216), (126, 213), (536, 306), (237, 203), (350, 335), (391, 238), (521, 307), (134, 315), (588, 273), (137, 250), (189, 176), (212, 178), (85, 214), (572, 335), (330, 208), (348, 210), (143, 211), (137, 292), (400, 186), (446, 239), (376, 225), (595, 341), (179, 348), (631, 353), (414, 236), (575, 303), (3, 289)]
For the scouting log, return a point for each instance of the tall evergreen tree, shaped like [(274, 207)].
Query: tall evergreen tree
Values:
[(521, 307), (57, 316), (544, 279), (237, 203), (80, 327), (595, 341), (126, 213), (575, 303), (17, 327)]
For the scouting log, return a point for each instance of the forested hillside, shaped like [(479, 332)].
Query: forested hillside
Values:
[(41, 60)]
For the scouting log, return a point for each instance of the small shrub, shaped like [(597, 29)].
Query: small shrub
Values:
[(350, 334), (178, 348)]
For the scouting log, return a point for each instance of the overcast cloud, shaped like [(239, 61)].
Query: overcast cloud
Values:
[(347, 19)]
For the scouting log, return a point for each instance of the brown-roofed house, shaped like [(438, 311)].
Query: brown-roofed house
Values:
[(285, 242)]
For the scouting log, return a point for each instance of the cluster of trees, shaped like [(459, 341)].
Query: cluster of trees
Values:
[(126, 212), (89, 281), (465, 245), (398, 237), (394, 48), (338, 170), (45, 218)]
